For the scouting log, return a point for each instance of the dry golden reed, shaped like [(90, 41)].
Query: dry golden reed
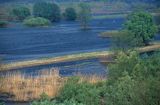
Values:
[(25, 88), (30, 87)]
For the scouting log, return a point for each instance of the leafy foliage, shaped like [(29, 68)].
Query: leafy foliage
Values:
[(46, 101), (81, 92), (121, 92), (38, 21), (123, 40), (142, 26), (124, 63), (21, 12), (46, 10), (70, 14), (134, 81)]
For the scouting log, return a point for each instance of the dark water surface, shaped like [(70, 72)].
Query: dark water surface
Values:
[(23, 43), (18, 42)]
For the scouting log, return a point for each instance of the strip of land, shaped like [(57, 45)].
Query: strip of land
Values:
[(68, 58)]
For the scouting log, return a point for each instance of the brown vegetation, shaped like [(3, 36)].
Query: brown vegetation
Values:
[(24, 88)]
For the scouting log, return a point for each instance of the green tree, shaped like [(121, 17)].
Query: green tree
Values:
[(21, 12), (84, 15), (141, 24), (46, 10), (70, 14)]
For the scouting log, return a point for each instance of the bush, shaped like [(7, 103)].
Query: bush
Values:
[(46, 10), (38, 21), (81, 92), (70, 14), (3, 23), (21, 12), (46, 101)]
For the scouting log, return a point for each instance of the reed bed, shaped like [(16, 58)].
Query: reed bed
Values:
[(27, 88)]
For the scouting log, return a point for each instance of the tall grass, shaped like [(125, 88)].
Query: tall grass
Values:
[(27, 88)]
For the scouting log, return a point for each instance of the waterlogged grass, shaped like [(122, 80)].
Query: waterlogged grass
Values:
[(109, 34), (110, 16)]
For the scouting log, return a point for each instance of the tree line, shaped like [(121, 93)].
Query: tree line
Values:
[(51, 12)]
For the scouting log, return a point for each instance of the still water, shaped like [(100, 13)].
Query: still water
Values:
[(18, 42)]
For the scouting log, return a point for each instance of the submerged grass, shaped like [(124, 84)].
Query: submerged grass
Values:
[(29, 88), (109, 34)]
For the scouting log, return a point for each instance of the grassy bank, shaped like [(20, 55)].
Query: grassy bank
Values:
[(44, 61), (67, 58)]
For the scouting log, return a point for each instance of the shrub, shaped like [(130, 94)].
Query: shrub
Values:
[(81, 92), (46, 10), (38, 21), (3, 23), (21, 12), (46, 101), (70, 14)]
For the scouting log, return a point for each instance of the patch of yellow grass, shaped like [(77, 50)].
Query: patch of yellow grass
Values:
[(44, 61), (25, 88), (109, 34), (92, 78), (29, 88)]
